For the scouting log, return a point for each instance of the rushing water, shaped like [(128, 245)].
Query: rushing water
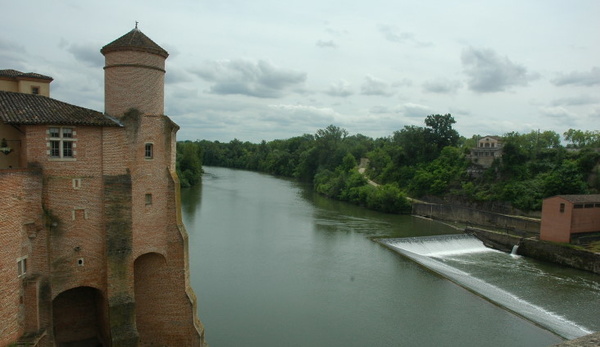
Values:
[(275, 265)]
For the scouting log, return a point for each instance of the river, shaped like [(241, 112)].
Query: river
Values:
[(274, 264)]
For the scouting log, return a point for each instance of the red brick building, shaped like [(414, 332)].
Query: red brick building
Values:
[(568, 217), (94, 248)]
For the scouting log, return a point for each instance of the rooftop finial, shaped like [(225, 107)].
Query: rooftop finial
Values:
[(136, 23)]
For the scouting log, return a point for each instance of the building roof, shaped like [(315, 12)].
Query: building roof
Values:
[(583, 198), (134, 40), (15, 74), (29, 109), (499, 138)]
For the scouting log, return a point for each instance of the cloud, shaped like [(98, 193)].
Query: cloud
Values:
[(175, 75), (259, 79), (575, 101), (414, 110), (11, 54), (585, 79), (88, 54), (441, 86), (393, 34), (304, 113), (558, 112), (326, 44), (340, 88), (374, 86), (488, 72)]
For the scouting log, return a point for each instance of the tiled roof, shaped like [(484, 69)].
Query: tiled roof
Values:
[(18, 74), (582, 198), (134, 40), (29, 109)]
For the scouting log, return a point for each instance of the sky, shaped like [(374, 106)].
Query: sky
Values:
[(265, 69)]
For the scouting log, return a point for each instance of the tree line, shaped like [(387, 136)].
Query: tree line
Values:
[(427, 162)]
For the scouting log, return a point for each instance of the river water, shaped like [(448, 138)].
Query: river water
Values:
[(274, 264)]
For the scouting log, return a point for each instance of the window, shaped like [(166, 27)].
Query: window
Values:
[(35, 90), (21, 266), (562, 208), (148, 199), (61, 142), (149, 151)]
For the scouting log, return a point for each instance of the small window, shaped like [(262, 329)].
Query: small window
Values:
[(148, 199), (562, 208), (149, 151), (76, 183), (589, 206), (578, 206), (35, 90), (21, 266)]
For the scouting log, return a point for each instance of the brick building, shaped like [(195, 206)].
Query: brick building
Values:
[(94, 250), (569, 218)]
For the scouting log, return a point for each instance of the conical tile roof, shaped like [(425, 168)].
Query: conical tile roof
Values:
[(134, 40)]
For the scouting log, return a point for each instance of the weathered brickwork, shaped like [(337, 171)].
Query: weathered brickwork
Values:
[(128, 73), (101, 230), (20, 221)]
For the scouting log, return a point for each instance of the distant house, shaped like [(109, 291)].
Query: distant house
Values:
[(567, 218), (489, 148), (25, 82)]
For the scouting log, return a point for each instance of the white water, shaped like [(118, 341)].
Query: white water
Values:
[(432, 251)]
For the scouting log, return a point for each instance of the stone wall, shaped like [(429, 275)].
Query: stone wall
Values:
[(541, 250), (460, 214)]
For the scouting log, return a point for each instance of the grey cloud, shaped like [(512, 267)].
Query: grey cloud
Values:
[(414, 110), (405, 82), (488, 72), (575, 101), (374, 86), (175, 75), (393, 34), (87, 54), (340, 88), (585, 78), (11, 54), (252, 78), (326, 44), (441, 86), (379, 110)]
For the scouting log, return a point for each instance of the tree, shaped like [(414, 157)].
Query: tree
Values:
[(581, 139), (189, 165), (441, 132)]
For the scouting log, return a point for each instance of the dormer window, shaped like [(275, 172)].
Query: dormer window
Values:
[(35, 90), (61, 143)]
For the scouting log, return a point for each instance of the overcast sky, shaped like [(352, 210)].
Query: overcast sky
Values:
[(263, 70)]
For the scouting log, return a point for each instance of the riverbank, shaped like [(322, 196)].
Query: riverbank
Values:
[(562, 254)]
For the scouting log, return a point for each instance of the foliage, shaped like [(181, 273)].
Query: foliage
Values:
[(189, 163), (420, 161)]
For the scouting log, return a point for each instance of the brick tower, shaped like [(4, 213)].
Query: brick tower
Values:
[(141, 196)]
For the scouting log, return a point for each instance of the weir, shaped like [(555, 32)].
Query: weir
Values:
[(451, 255)]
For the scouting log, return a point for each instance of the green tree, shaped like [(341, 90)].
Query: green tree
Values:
[(441, 132), (188, 163)]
